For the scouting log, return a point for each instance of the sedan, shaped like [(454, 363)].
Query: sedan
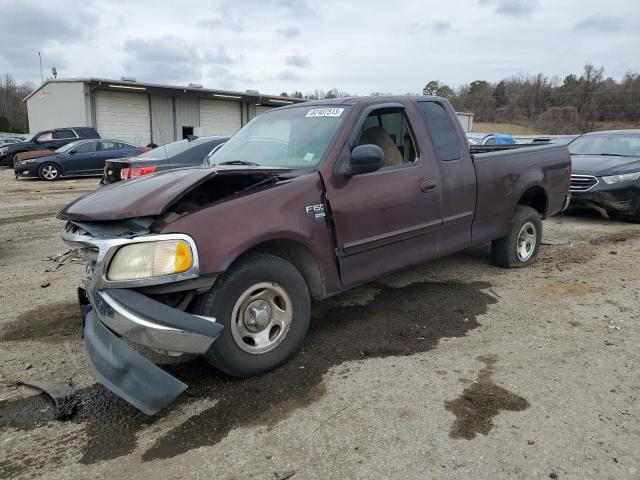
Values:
[(82, 158), (606, 172), (181, 154)]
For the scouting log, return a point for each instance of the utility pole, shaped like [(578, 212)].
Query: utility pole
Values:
[(41, 76)]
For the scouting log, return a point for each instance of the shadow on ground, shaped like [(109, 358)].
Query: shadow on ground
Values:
[(395, 322)]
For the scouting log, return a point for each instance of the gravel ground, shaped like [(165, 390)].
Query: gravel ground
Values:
[(454, 369)]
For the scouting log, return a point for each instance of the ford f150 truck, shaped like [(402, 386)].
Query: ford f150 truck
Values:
[(303, 202)]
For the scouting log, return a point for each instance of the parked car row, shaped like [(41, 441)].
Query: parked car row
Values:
[(46, 140)]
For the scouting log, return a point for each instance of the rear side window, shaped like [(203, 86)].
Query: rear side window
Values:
[(63, 134), (441, 130), (108, 146)]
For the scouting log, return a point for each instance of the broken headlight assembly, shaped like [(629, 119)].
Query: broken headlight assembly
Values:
[(136, 261), (623, 177)]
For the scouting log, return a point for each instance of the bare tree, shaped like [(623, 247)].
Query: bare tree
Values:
[(13, 112)]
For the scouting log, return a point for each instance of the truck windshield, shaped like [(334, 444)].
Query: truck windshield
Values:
[(295, 137)]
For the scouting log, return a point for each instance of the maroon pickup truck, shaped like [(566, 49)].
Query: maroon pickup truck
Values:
[(303, 202)]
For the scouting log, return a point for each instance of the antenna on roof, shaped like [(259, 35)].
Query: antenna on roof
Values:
[(41, 75)]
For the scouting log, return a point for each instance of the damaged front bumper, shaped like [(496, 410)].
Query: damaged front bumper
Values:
[(117, 311)]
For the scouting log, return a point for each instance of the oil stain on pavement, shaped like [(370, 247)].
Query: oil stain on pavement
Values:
[(480, 402), (397, 322)]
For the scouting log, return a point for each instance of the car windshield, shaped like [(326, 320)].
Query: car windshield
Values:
[(602, 144), (295, 137), (69, 146)]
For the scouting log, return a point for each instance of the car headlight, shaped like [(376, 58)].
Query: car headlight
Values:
[(26, 162), (3, 150), (624, 177), (150, 259)]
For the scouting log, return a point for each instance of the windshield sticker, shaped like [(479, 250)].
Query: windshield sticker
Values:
[(309, 157), (325, 112)]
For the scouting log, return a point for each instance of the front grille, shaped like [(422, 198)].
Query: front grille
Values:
[(582, 183)]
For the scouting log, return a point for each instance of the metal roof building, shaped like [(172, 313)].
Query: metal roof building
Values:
[(142, 113)]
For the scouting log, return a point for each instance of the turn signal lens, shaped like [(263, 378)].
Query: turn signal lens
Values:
[(150, 259)]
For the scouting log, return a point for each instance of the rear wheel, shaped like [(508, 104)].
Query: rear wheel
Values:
[(521, 245), (49, 172), (264, 305)]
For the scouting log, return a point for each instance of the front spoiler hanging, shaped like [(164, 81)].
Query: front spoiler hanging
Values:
[(125, 372)]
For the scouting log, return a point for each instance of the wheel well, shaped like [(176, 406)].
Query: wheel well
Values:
[(300, 257), (536, 198)]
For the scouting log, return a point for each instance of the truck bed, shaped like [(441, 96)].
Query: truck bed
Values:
[(503, 171)]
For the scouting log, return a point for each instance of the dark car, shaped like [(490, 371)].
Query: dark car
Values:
[(303, 202), (80, 158), (45, 140), (606, 171), (183, 153)]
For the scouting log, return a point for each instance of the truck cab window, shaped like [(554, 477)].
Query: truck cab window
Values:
[(441, 130), (388, 129)]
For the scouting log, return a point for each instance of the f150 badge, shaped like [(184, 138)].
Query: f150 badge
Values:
[(316, 210)]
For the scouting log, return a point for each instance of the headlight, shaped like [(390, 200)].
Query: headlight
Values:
[(150, 259), (624, 177), (3, 150), (26, 162)]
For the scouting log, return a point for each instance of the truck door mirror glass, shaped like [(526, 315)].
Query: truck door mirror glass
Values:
[(365, 159)]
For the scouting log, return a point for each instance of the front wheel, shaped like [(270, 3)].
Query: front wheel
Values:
[(521, 245), (264, 305), (49, 172)]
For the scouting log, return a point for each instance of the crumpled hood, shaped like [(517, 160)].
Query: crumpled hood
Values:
[(149, 195), (599, 165)]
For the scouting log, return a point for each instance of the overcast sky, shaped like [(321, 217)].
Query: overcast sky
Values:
[(357, 46)]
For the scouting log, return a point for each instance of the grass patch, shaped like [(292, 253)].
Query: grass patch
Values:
[(484, 127)]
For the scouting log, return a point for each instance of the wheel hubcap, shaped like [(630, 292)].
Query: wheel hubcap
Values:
[(49, 172), (261, 317), (527, 239)]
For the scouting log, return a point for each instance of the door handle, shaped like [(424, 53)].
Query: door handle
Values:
[(428, 186)]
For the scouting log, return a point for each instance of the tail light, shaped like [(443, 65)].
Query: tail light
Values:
[(132, 172), (144, 149)]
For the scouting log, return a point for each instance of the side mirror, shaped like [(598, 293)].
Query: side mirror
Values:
[(365, 159), (73, 152)]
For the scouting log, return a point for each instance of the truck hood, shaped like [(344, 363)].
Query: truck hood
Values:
[(600, 165), (151, 195)]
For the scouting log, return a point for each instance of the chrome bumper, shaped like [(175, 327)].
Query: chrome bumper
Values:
[(144, 321)]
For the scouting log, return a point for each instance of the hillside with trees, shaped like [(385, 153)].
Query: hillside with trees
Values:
[(575, 104), (13, 112)]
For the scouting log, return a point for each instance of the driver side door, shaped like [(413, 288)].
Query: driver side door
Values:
[(81, 160), (390, 218)]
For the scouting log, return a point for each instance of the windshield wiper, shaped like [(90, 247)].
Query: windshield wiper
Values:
[(237, 162)]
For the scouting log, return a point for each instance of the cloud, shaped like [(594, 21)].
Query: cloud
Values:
[(227, 23), (512, 8), (295, 8), (289, 32), (600, 24), (220, 57), (288, 75), (25, 33), (298, 61), (438, 26), (168, 59)]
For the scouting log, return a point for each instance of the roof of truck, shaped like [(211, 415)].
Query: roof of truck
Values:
[(368, 99)]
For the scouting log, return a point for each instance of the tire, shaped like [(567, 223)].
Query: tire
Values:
[(244, 349), (49, 172), (521, 245)]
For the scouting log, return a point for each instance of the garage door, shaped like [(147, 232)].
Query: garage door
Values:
[(123, 116), (219, 117), (260, 109)]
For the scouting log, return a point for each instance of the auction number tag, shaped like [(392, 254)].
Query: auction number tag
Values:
[(325, 112)]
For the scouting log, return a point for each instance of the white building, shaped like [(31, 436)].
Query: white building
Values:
[(142, 113)]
